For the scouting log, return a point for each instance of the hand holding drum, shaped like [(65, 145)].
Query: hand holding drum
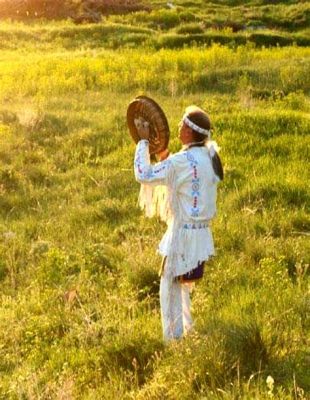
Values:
[(146, 120), (143, 128)]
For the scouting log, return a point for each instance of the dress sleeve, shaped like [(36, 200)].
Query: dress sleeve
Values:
[(147, 173)]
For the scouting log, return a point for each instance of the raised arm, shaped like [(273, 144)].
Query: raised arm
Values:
[(145, 172)]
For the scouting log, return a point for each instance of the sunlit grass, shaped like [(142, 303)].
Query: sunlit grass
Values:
[(78, 268)]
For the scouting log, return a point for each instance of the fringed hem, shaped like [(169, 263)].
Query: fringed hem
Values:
[(190, 247), (154, 201), (159, 200)]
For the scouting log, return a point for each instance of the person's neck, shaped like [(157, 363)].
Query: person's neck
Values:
[(193, 144)]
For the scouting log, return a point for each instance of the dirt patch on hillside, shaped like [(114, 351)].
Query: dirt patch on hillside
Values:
[(81, 11)]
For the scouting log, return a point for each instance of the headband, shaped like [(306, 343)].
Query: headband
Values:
[(195, 127)]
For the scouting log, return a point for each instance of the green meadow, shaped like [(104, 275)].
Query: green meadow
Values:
[(79, 305)]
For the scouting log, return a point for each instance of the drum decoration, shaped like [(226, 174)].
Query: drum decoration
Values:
[(146, 109)]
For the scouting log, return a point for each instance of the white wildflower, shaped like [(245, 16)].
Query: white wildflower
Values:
[(270, 385), (170, 5)]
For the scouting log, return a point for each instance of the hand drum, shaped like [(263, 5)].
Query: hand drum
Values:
[(144, 108)]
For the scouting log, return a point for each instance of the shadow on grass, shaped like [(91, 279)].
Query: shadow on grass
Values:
[(270, 195), (136, 356)]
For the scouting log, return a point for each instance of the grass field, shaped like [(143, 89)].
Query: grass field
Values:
[(79, 311)]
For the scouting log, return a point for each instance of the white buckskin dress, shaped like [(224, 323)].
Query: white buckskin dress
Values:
[(181, 190)]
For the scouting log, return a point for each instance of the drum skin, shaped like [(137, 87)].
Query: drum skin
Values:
[(147, 109)]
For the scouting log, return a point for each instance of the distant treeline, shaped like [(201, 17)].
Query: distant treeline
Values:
[(82, 10)]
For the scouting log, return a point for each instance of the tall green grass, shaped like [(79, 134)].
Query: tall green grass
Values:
[(114, 33), (170, 72), (79, 312)]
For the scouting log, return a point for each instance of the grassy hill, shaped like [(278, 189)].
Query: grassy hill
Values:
[(158, 24), (79, 310)]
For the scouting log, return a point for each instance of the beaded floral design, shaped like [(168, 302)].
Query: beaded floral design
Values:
[(195, 226), (195, 185), (152, 171)]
